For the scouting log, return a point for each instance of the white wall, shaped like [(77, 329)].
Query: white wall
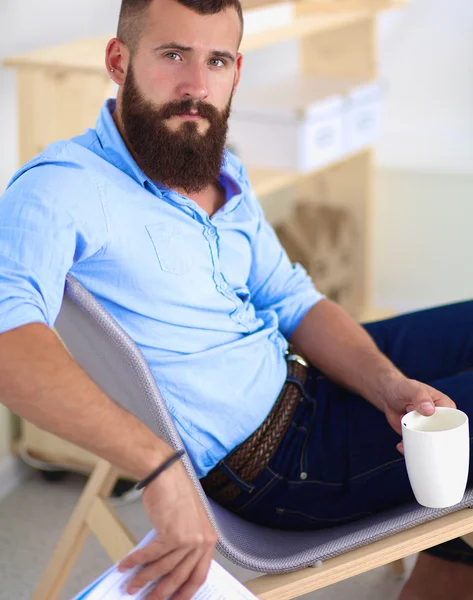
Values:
[(426, 60), (29, 24), (423, 251), (423, 217)]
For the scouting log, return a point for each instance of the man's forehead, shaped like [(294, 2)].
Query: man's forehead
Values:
[(168, 20)]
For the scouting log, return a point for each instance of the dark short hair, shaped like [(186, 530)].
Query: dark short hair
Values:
[(132, 14)]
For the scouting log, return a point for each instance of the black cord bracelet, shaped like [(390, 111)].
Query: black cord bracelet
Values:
[(159, 470)]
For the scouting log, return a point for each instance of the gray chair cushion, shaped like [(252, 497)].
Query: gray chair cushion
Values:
[(111, 358)]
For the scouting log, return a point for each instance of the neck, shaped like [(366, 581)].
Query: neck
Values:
[(211, 199)]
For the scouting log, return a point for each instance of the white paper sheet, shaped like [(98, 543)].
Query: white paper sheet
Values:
[(220, 585)]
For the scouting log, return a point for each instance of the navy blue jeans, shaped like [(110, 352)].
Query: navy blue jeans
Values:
[(338, 461)]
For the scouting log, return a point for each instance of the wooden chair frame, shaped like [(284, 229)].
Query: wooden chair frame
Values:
[(93, 514)]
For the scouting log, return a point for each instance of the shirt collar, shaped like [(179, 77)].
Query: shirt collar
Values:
[(113, 144), (119, 155)]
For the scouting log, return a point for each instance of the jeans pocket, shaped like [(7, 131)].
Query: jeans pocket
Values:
[(263, 484), (235, 478)]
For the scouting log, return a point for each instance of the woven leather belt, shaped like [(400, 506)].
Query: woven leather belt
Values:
[(252, 456)]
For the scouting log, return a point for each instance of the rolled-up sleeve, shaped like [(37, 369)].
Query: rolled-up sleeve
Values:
[(277, 284), (50, 217)]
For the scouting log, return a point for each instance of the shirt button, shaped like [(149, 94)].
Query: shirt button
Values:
[(211, 232)]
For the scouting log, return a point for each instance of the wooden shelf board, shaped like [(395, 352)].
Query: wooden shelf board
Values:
[(349, 5), (89, 55), (83, 55), (300, 27), (268, 181), (294, 94)]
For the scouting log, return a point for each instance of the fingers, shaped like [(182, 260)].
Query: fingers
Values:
[(429, 398), (156, 569), (196, 580), (186, 535), (400, 448), (148, 553), (445, 401), (180, 576), (440, 398)]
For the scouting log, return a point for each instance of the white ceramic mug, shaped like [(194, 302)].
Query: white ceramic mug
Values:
[(437, 452)]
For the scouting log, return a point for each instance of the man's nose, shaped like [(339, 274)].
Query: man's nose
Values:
[(194, 84)]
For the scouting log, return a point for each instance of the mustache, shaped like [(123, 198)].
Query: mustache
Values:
[(187, 106)]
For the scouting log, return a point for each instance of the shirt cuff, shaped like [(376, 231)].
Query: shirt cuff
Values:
[(290, 318)]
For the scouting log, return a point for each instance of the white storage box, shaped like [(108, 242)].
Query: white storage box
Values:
[(267, 17), (293, 125), (363, 117)]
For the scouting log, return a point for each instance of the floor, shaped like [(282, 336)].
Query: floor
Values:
[(33, 516)]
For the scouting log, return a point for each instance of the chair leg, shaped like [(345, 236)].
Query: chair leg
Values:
[(100, 484), (468, 539), (397, 567), (110, 531)]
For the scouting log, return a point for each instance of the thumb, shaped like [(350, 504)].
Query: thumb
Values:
[(424, 405)]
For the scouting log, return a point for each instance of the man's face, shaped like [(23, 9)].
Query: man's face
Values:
[(176, 97)]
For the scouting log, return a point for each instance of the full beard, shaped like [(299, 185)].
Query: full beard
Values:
[(183, 159)]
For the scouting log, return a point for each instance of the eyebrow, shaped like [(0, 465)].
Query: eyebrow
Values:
[(175, 46)]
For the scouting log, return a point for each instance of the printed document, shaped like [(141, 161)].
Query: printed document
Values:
[(220, 584)]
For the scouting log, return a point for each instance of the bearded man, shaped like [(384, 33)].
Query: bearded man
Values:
[(158, 221)]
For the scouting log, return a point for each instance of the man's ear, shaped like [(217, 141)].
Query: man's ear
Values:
[(238, 65), (117, 58)]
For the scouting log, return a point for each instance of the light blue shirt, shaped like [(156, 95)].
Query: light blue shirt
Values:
[(209, 301)]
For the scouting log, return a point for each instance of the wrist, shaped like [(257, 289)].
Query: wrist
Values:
[(383, 384), (168, 485), (149, 457), (167, 464)]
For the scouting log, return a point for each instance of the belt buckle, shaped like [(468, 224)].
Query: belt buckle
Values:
[(292, 356)]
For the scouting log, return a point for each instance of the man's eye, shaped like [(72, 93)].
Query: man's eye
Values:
[(173, 55), (217, 62)]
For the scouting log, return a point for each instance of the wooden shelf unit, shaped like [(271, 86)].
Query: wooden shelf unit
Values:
[(61, 90), (88, 55), (347, 5), (266, 182)]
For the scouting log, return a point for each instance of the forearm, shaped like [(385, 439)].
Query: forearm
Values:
[(40, 382), (343, 350)]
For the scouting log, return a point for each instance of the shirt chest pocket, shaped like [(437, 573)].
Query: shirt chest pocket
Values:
[(170, 245)]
